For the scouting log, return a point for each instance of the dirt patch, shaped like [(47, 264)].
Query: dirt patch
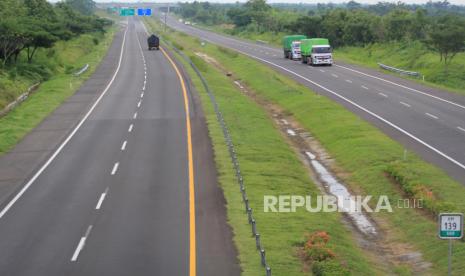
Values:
[(383, 248)]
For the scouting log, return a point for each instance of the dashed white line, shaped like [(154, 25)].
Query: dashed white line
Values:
[(135, 116), (101, 199), (81, 244), (142, 94), (382, 94), (349, 81), (115, 168), (130, 128), (439, 152), (364, 87), (65, 142), (322, 71), (431, 115), (123, 146), (138, 104), (405, 104), (461, 128), (334, 75)]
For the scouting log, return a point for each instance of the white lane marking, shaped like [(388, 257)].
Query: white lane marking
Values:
[(275, 55), (138, 104), (322, 71), (135, 115), (461, 128), (349, 81), (81, 244), (291, 132), (145, 81), (65, 142), (142, 94), (310, 155), (115, 168), (403, 86), (437, 151), (382, 94), (431, 115), (334, 75), (364, 87), (123, 146), (266, 53), (130, 127), (405, 104), (101, 199)]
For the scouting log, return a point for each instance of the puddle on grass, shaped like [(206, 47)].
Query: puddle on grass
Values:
[(345, 198)]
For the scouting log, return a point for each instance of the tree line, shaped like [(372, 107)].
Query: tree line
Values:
[(439, 25), (27, 25)]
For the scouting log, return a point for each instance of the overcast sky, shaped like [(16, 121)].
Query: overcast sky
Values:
[(458, 2)]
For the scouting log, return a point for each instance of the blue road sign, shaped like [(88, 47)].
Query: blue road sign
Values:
[(144, 12)]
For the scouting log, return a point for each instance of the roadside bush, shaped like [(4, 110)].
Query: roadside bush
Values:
[(329, 268), (316, 247)]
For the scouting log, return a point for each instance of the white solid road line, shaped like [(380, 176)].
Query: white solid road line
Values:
[(123, 146), (101, 199), (364, 87), (461, 128), (382, 94), (405, 104), (361, 108), (82, 243), (403, 86), (135, 116), (115, 168), (65, 142), (431, 115), (130, 127)]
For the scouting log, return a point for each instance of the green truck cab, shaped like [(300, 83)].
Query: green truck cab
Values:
[(316, 51), (287, 45)]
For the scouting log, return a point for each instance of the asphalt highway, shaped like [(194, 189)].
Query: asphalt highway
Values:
[(426, 120), (132, 190)]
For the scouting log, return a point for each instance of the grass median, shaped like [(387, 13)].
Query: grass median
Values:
[(374, 162), (71, 56)]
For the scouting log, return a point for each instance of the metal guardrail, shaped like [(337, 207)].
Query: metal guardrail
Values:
[(19, 100), (400, 71), (234, 160), (83, 69)]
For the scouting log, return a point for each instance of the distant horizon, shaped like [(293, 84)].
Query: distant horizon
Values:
[(370, 2)]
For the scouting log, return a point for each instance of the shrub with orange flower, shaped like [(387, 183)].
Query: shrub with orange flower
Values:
[(316, 247)]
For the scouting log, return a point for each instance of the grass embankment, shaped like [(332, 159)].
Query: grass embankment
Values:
[(413, 56), (67, 57), (369, 156), (270, 167)]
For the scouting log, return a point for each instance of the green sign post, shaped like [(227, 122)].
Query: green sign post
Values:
[(127, 12), (450, 228)]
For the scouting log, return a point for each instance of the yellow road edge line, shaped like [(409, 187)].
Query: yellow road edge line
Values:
[(192, 236)]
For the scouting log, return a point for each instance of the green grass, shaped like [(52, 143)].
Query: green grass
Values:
[(71, 55), (411, 56), (360, 149), (270, 167)]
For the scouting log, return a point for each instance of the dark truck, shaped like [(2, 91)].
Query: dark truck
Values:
[(154, 42)]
